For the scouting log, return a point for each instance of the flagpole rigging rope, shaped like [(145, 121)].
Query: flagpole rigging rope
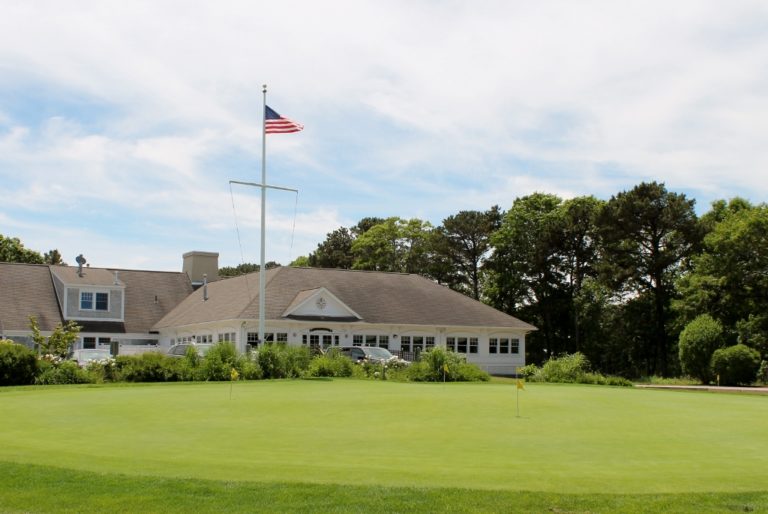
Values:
[(293, 228), (239, 240)]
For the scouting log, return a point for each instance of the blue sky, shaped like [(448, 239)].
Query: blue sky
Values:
[(121, 123)]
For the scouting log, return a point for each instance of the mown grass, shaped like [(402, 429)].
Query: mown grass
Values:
[(31, 488), (347, 445)]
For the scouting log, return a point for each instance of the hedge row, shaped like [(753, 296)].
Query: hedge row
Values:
[(20, 366)]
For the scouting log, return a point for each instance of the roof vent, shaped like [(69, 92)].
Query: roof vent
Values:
[(117, 278)]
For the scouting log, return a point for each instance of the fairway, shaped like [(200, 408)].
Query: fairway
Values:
[(568, 438)]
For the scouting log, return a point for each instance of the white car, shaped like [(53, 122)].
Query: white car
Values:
[(84, 356)]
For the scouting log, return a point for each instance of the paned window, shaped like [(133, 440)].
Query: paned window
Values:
[(493, 345), (227, 337), (357, 340), (461, 345), (405, 343), (384, 342), (94, 301), (472, 345), (450, 343), (370, 340), (430, 342), (89, 343), (514, 346), (102, 301), (86, 301), (503, 345), (418, 343)]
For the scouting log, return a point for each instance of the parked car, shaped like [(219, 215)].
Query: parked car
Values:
[(371, 354), (180, 350), (84, 356)]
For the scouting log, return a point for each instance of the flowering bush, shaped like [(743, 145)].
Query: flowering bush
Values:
[(63, 372), (102, 370)]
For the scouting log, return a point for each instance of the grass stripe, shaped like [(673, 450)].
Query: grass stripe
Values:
[(43, 489)]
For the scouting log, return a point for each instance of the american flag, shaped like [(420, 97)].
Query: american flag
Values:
[(276, 124)]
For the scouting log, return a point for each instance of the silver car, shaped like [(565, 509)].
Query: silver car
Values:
[(180, 350), (371, 354)]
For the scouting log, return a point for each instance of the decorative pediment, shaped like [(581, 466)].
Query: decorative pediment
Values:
[(319, 304)]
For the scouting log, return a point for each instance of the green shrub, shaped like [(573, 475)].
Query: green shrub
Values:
[(568, 368), (736, 365), (64, 372), (149, 367), (698, 341), (529, 371), (272, 361), (332, 364), (762, 374), (218, 363), (18, 364), (657, 380), (618, 381), (438, 364), (297, 358), (102, 371), (283, 361), (248, 368)]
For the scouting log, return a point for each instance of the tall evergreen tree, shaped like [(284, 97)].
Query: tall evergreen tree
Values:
[(463, 240), (647, 233)]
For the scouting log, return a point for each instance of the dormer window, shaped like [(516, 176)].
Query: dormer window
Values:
[(90, 301)]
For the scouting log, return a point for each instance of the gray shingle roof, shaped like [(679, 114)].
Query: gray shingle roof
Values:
[(150, 295), (91, 276), (28, 289), (391, 298)]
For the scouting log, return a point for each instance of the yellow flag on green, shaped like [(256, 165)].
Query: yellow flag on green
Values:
[(445, 367), (234, 375), (520, 384)]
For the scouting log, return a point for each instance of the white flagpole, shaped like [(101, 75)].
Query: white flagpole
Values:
[(262, 275)]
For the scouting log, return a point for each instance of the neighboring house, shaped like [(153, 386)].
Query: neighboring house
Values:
[(333, 307), (304, 306), (111, 305)]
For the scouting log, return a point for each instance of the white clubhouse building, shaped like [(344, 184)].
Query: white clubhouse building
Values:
[(304, 306)]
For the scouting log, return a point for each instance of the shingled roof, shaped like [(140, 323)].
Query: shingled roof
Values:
[(150, 295), (27, 289), (391, 298)]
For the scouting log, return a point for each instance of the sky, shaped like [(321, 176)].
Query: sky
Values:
[(122, 123)]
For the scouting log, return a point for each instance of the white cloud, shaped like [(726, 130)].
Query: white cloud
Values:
[(411, 108)]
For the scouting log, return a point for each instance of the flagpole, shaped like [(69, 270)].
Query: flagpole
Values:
[(262, 275)]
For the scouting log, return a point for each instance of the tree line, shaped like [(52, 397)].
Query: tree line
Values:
[(617, 280), (13, 250)]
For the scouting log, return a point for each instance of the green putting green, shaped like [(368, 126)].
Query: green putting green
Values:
[(567, 439)]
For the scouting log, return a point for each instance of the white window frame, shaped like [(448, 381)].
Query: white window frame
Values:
[(93, 301)]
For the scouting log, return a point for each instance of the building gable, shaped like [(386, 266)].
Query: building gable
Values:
[(319, 304)]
